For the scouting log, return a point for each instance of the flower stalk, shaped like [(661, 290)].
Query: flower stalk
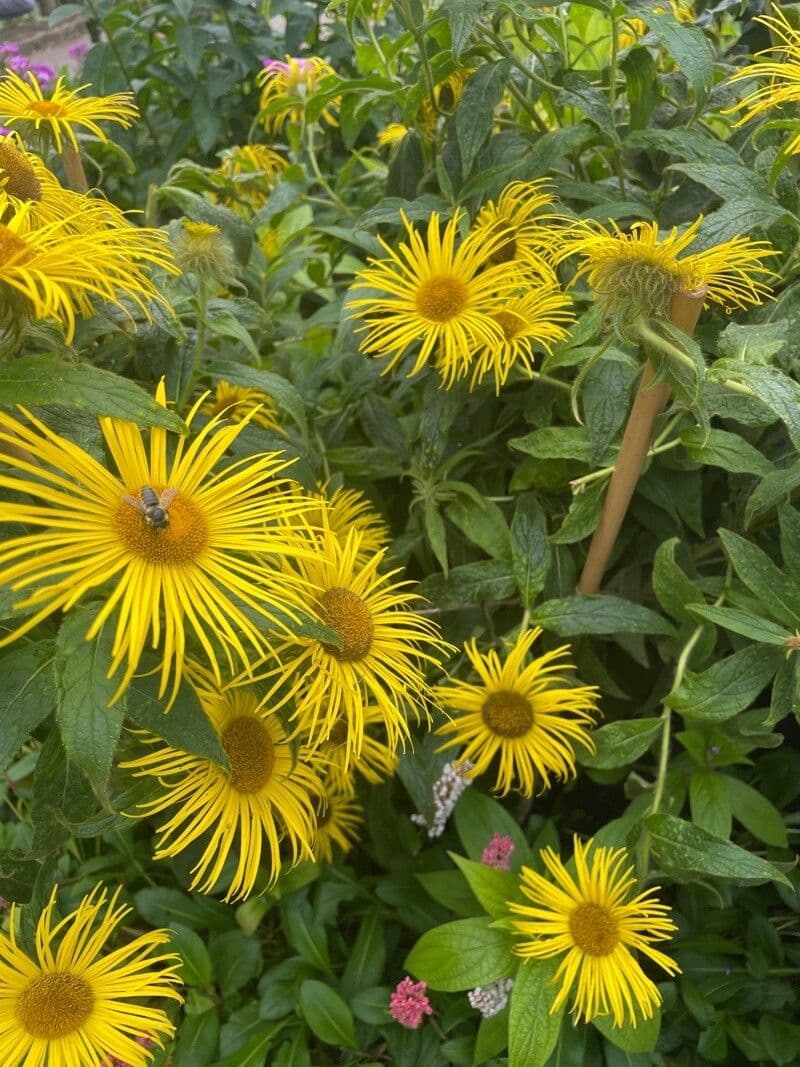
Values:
[(651, 399)]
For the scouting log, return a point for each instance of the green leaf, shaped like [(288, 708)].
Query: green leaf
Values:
[(530, 550), (644, 88), (89, 726), (532, 1029), (684, 849), (461, 955), (436, 535), (555, 442), (789, 521), (195, 970), (185, 726), (778, 597), (492, 1037), (478, 817), (470, 583), (475, 111), (449, 889), (674, 590), (579, 614), (737, 217), (253, 1052), (718, 448), (641, 1038), (162, 906), (27, 695), (709, 803), (580, 93), (727, 686), (620, 743), (757, 343), (755, 812), (306, 936), (774, 388), (365, 963), (740, 622), (236, 959), (730, 181), (772, 490), (198, 1039), (484, 524), (605, 396), (493, 888), (463, 16), (327, 1014), (583, 515), (692, 145), (48, 379), (284, 394), (685, 43)]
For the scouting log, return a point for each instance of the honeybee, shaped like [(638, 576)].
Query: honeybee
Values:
[(153, 506)]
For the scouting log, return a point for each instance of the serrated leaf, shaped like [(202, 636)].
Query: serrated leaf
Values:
[(620, 743), (719, 448), (580, 93), (27, 696), (728, 686), (461, 955), (674, 589), (763, 578), (739, 622), (532, 1028), (583, 515), (684, 849), (475, 111), (579, 614), (774, 489), (463, 16), (327, 1014), (89, 726), (470, 583), (530, 549), (48, 379), (771, 386), (185, 726), (685, 43)]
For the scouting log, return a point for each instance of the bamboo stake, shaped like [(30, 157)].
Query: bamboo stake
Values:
[(650, 401), (73, 168)]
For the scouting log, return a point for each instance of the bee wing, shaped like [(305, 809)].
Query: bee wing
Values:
[(133, 501), (167, 497)]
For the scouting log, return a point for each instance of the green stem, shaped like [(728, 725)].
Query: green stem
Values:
[(321, 180), (612, 100), (505, 51), (199, 340), (419, 40), (606, 472)]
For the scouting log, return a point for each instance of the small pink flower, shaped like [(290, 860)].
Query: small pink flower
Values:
[(9, 49), (44, 74), (275, 64), (497, 853), (79, 50), (408, 1004), (19, 64)]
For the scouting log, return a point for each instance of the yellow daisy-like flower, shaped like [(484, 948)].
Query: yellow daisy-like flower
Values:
[(537, 320), (392, 134), (349, 509), (637, 273), (63, 110), (238, 402), (530, 716), (339, 820), (446, 95), (252, 171), (286, 86), (268, 796), (191, 561), (70, 1005), (385, 646), (435, 296), (52, 271), (783, 71), (203, 249), (531, 231), (596, 925), (375, 762)]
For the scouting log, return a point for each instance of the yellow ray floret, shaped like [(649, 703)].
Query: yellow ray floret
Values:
[(391, 134), (269, 796), (524, 213), (70, 1004), (339, 820), (62, 110), (596, 924), (251, 172), (782, 68), (530, 716), (238, 402), (286, 86), (641, 270), (385, 647), (198, 575), (375, 762), (435, 296)]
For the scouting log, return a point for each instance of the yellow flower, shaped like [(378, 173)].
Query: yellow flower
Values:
[(167, 579), (596, 925), (530, 231), (531, 716), (375, 762), (238, 402), (52, 271), (446, 95), (203, 249), (783, 71), (391, 134), (385, 646), (631, 30), (637, 273), (338, 822), (286, 86), (349, 509), (62, 110), (70, 1006), (537, 320), (435, 296), (252, 171), (268, 796)]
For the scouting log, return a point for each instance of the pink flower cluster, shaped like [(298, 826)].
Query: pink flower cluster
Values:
[(408, 1004), (10, 55), (497, 853)]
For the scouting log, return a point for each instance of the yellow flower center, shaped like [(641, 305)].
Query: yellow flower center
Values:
[(510, 323), (200, 229), (54, 1005), (505, 253), (507, 714), (12, 248), (338, 734), (349, 616), (19, 176), (251, 752), (181, 542), (441, 298), (48, 109), (594, 930)]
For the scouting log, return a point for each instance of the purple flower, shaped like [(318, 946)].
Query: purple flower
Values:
[(9, 49), (43, 73), (79, 50), (19, 64), (275, 64), (5, 131)]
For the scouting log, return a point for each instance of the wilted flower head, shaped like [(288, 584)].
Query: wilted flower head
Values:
[(447, 788), (408, 1004), (204, 250)]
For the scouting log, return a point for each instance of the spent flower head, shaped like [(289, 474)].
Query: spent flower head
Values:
[(408, 1004)]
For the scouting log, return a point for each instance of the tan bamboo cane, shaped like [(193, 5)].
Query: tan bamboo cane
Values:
[(73, 168), (650, 401)]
